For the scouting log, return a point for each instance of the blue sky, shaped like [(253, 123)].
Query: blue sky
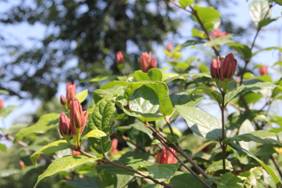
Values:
[(26, 35)]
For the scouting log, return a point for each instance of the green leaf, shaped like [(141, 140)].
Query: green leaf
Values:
[(153, 74), (191, 43), (50, 149), (264, 22), (247, 87), (4, 92), (242, 49), (268, 49), (229, 180), (63, 165), (262, 136), (198, 33), (219, 41), (3, 147), (45, 122), (279, 2), (6, 110), (185, 181), (200, 122), (185, 3), (144, 101), (259, 10), (217, 166), (142, 128), (209, 16), (267, 168), (162, 171), (160, 89), (102, 116), (84, 183), (95, 133), (81, 96), (123, 180)]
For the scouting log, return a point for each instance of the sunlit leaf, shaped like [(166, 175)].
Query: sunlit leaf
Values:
[(63, 165)]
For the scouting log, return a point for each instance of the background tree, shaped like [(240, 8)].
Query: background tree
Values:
[(86, 33)]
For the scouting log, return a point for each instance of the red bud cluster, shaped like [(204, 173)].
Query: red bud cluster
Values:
[(70, 94), (147, 61), (78, 117), (223, 68), (1, 104), (166, 156), (263, 70), (64, 125), (76, 122), (216, 33), (119, 57)]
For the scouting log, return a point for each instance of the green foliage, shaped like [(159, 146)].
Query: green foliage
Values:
[(102, 116), (45, 123), (209, 16), (64, 164), (146, 129), (200, 122), (185, 3), (50, 148)]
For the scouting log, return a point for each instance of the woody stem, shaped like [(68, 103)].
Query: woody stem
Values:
[(130, 169), (165, 143), (222, 144)]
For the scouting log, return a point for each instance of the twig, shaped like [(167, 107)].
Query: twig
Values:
[(276, 166), (222, 144), (119, 165), (179, 150), (247, 61), (169, 125), (194, 13)]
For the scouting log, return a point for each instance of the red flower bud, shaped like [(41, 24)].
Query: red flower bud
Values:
[(70, 92), (1, 104), (114, 144), (166, 156), (78, 117), (216, 33), (119, 57), (223, 68), (64, 125), (169, 47), (263, 70), (147, 61), (63, 100), (75, 152), (21, 165)]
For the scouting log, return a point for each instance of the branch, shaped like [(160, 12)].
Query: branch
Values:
[(247, 61), (164, 142), (195, 14), (119, 165)]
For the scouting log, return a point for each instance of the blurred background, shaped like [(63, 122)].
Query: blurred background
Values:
[(44, 44)]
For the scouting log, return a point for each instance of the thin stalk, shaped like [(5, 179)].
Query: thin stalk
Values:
[(195, 14), (169, 126), (247, 61), (136, 172), (165, 143), (119, 165), (276, 166), (223, 134)]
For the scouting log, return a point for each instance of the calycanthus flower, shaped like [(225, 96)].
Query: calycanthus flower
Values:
[(223, 68), (166, 156), (147, 61)]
